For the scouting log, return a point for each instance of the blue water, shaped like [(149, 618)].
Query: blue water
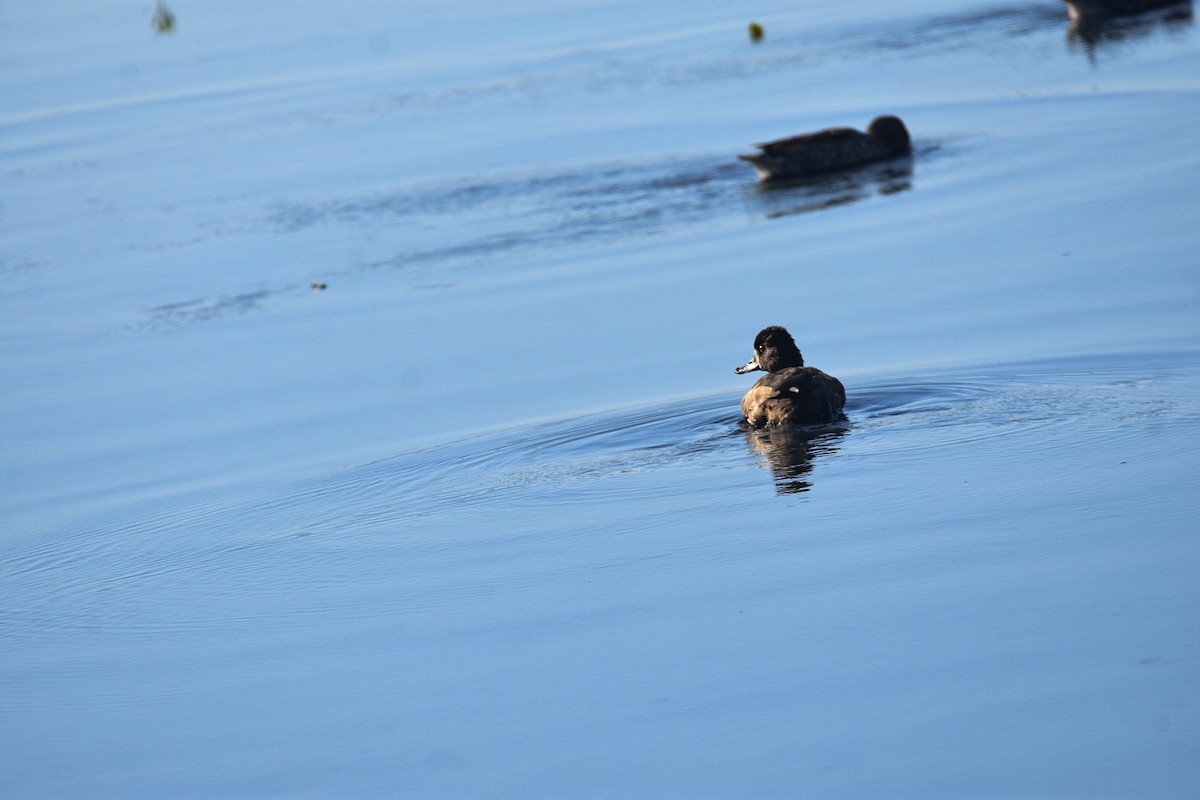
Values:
[(478, 519)]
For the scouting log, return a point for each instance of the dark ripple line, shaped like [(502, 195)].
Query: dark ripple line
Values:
[(788, 48)]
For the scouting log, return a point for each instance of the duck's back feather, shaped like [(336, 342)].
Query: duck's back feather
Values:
[(794, 396)]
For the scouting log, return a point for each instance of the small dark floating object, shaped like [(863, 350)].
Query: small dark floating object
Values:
[(319, 287), (790, 393), (1085, 11), (830, 150), (756, 32), (163, 20)]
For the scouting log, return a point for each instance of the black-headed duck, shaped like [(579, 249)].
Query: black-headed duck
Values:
[(1085, 11), (830, 150), (790, 393)]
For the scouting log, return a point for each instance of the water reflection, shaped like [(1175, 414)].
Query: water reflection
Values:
[(790, 452), (1094, 34), (805, 195)]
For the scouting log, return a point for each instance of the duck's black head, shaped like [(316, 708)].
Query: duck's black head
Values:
[(891, 132), (774, 349)]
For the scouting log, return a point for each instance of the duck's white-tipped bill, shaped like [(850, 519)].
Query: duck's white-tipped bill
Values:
[(750, 367)]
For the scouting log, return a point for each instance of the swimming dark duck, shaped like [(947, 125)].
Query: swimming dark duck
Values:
[(830, 150), (790, 393), (1083, 11)]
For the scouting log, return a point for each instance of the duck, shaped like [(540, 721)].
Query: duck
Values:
[(1084, 11), (790, 393), (830, 150)]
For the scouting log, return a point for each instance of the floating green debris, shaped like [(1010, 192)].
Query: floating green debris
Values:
[(756, 32), (163, 20), (317, 286)]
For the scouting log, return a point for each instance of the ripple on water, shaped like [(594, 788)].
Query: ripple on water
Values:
[(519, 213), (556, 464), (546, 463), (658, 461), (1105, 393)]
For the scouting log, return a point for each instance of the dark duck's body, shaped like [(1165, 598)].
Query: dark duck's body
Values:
[(1083, 11), (830, 150), (790, 393)]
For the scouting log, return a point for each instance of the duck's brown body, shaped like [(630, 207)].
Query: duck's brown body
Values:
[(791, 393), (794, 396), (830, 150)]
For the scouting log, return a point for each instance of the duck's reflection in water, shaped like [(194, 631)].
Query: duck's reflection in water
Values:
[(1094, 33), (790, 452), (783, 198)]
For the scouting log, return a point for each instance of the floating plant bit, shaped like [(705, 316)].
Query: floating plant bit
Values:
[(163, 20), (756, 32), (317, 286)]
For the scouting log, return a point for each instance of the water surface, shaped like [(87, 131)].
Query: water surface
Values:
[(479, 518)]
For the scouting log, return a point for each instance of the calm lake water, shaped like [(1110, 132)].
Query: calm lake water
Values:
[(478, 518)]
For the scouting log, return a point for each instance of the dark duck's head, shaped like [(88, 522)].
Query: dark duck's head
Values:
[(891, 133), (774, 349)]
